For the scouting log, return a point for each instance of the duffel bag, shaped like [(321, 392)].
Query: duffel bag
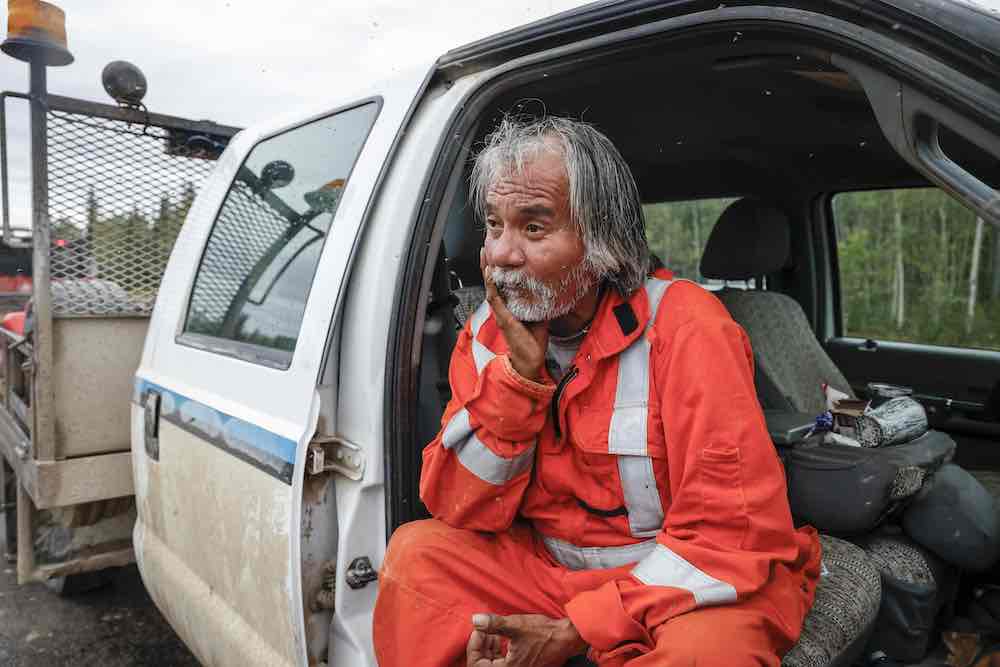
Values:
[(846, 490), (915, 586), (956, 518)]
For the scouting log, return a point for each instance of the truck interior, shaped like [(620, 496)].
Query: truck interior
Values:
[(769, 126)]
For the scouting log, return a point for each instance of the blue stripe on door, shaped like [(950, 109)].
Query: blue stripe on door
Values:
[(263, 449)]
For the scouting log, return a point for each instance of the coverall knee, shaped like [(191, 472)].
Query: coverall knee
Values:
[(730, 635), (434, 577)]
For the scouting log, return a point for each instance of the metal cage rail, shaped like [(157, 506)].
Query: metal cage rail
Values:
[(120, 182), (110, 188)]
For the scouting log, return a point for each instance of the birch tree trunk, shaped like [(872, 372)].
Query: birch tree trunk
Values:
[(995, 287), (697, 230), (941, 270), (900, 278), (977, 245)]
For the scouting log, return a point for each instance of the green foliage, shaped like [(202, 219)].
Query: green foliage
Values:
[(677, 232), (129, 249), (934, 240), (936, 246)]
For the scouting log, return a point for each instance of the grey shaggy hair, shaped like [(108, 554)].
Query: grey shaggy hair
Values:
[(603, 197)]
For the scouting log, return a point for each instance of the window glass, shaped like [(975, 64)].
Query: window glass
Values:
[(917, 266), (260, 258), (678, 231)]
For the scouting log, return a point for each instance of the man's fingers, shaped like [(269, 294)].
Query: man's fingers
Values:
[(495, 625), (494, 646), (484, 650), (540, 332), (502, 314), (478, 641)]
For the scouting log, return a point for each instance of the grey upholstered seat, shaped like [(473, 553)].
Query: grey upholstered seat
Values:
[(468, 300), (786, 350), (847, 601), (916, 585), (750, 240)]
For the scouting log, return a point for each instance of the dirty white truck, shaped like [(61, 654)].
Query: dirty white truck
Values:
[(295, 361)]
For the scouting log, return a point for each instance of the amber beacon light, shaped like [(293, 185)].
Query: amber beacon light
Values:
[(36, 32)]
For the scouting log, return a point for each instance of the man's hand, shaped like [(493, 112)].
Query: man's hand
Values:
[(527, 340), (532, 641)]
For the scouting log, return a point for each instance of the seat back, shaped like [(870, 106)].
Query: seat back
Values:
[(793, 363), (752, 240)]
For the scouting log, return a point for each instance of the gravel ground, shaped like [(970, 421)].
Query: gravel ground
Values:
[(115, 626)]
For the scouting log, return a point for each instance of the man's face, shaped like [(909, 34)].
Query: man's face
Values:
[(534, 249)]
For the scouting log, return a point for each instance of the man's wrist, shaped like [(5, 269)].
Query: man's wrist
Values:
[(571, 636), (532, 374), (538, 388)]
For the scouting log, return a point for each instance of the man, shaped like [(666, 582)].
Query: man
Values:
[(604, 479)]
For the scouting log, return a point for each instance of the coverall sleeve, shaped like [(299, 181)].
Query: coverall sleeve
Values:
[(476, 470), (728, 529)]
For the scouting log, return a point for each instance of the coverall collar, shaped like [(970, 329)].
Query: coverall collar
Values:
[(620, 320)]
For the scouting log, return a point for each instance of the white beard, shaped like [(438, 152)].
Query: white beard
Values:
[(531, 300)]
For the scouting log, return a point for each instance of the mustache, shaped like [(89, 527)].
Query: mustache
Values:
[(519, 279), (510, 277)]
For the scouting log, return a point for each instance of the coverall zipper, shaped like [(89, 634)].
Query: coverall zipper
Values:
[(570, 374)]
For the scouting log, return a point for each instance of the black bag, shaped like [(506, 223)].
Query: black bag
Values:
[(956, 518), (916, 585), (845, 490)]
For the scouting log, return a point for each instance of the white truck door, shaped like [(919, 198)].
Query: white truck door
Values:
[(226, 399)]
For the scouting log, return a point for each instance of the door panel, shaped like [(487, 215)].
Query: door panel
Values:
[(219, 544), (965, 376), (955, 385), (219, 493)]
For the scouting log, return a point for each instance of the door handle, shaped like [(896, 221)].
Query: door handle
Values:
[(869, 345), (151, 436)]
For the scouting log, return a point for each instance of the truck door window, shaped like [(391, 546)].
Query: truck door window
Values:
[(257, 268), (917, 266)]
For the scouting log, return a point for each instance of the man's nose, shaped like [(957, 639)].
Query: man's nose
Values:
[(505, 251)]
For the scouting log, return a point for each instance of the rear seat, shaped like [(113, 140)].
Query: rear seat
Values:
[(751, 240)]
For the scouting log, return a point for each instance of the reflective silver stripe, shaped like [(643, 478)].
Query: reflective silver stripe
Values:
[(627, 434), (479, 318), (480, 353), (663, 567), (597, 558), (642, 499), (479, 459)]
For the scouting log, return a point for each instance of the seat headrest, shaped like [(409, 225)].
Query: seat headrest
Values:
[(750, 239)]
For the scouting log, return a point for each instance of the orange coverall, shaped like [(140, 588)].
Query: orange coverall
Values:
[(641, 497)]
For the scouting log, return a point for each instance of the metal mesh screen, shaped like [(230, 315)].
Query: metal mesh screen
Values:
[(245, 232), (117, 199)]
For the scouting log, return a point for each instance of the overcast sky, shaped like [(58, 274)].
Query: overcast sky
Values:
[(241, 61)]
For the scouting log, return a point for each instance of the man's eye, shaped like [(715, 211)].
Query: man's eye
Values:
[(534, 229)]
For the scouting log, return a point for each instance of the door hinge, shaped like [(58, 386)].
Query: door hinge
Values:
[(329, 453), (360, 573)]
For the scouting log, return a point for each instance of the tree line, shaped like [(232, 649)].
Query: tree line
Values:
[(918, 266), (914, 264), (129, 248)]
